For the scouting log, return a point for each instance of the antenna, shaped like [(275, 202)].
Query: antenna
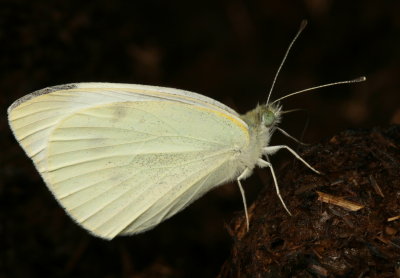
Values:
[(303, 25), (359, 79)]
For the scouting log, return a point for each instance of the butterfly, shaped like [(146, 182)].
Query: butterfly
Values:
[(122, 158)]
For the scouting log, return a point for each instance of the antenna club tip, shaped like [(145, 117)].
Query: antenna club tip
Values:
[(360, 79), (303, 24)]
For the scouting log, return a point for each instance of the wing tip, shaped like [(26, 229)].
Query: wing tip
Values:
[(40, 92), (107, 237), (91, 230)]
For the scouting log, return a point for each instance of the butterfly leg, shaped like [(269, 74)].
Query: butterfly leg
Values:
[(242, 176), (262, 163), (274, 149), (291, 137)]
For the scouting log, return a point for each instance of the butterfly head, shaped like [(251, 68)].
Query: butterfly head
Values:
[(263, 116)]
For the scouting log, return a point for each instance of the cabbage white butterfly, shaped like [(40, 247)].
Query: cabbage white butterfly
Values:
[(121, 158)]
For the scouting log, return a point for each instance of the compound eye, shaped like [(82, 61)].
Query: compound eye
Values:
[(268, 118)]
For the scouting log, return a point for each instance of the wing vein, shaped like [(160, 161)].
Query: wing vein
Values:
[(161, 120), (33, 132), (133, 188), (155, 201), (34, 113), (206, 176)]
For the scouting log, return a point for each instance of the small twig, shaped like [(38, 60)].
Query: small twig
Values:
[(338, 201), (390, 219), (377, 188)]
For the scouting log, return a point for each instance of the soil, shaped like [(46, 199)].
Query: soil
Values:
[(353, 231)]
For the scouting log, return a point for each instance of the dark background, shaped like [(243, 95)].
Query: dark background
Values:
[(228, 50)]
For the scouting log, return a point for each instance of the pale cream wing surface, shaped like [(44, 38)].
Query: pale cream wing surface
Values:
[(34, 116), (123, 167)]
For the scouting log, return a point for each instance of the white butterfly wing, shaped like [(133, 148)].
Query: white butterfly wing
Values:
[(122, 158)]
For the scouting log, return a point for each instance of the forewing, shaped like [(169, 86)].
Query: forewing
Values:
[(33, 117)]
